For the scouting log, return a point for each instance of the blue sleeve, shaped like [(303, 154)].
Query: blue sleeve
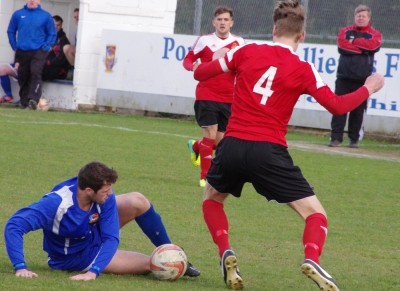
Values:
[(38, 215), (12, 31), (109, 231), (51, 35)]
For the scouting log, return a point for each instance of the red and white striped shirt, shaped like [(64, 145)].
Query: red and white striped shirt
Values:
[(219, 88), (270, 78)]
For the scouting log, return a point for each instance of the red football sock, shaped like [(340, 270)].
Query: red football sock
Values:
[(206, 154), (217, 222), (314, 236), (195, 146)]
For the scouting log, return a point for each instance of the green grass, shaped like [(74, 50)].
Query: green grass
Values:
[(40, 149)]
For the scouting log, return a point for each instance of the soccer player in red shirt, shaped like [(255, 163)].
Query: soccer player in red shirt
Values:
[(214, 96), (269, 80)]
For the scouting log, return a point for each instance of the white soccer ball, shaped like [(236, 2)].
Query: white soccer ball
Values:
[(168, 262), (43, 104)]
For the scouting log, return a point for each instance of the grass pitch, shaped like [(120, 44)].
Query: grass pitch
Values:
[(361, 196)]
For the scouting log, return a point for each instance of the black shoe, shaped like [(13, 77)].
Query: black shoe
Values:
[(353, 144), (335, 143), (191, 271), (32, 104), (230, 270), (314, 271)]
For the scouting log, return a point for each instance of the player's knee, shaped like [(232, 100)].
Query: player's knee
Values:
[(66, 48), (138, 202)]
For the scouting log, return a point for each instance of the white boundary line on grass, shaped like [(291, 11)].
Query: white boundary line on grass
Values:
[(304, 146), (100, 126), (342, 151)]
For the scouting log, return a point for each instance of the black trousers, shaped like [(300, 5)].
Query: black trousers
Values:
[(30, 69), (356, 117)]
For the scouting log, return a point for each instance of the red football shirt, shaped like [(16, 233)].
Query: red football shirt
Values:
[(269, 80), (219, 88)]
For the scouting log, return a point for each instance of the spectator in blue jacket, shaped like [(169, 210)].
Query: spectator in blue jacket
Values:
[(31, 34)]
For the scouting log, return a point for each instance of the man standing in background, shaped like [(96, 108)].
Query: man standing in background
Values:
[(214, 96), (357, 46), (31, 34)]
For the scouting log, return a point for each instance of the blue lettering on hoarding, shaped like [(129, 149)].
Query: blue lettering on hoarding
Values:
[(310, 99), (169, 48), (392, 63), (321, 64), (373, 104), (180, 53), (392, 106)]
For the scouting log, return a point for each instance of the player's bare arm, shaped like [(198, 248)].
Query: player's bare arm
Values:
[(374, 83), (88, 276)]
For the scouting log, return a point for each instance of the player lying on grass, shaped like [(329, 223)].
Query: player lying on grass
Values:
[(81, 220), (269, 80)]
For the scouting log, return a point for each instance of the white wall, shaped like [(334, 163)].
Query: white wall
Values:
[(126, 15), (94, 17)]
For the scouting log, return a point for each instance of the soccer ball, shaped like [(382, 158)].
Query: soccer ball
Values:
[(168, 262), (43, 105)]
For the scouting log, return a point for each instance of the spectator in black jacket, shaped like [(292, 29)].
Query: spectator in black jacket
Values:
[(357, 45), (57, 65)]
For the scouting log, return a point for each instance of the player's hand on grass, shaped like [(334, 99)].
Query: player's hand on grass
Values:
[(25, 273), (374, 83), (84, 277)]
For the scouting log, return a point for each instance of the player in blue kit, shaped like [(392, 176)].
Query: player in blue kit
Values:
[(81, 219)]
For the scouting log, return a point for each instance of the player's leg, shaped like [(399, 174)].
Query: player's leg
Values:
[(193, 146), (69, 52), (274, 175), (206, 150), (213, 206), (220, 136), (128, 262), (224, 112), (218, 226), (314, 235), (135, 206), (6, 86), (5, 71), (215, 217), (206, 113)]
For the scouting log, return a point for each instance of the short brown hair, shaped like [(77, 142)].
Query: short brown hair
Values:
[(223, 9), (361, 8), (95, 175), (289, 18)]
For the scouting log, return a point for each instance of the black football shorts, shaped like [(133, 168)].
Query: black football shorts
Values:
[(266, 165), (211, 113)]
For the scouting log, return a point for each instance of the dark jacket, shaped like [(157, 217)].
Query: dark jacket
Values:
[(57, 65), (56, 56), (356, 59)]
